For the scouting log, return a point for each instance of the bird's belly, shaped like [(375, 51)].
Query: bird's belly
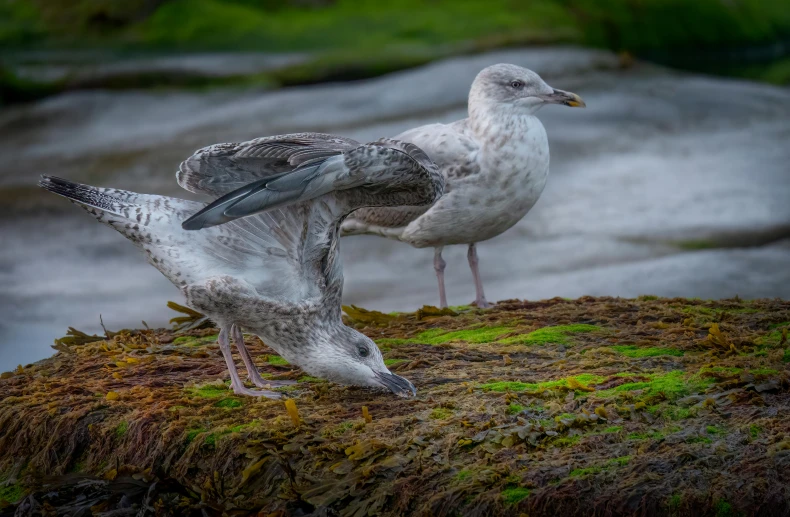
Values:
[(476, 212)]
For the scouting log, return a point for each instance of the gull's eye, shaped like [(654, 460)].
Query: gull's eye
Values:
[(516, 85), (363, 351)]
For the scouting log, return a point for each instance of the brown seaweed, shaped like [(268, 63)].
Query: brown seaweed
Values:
[(596, 406)]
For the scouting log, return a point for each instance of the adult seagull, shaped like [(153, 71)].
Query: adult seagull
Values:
[(495, 164), (277, 274)]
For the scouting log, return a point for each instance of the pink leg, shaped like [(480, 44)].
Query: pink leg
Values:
[(438, 266), (480, 297), (252, 370), (235, 381)]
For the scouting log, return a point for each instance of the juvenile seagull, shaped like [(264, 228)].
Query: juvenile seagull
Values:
[(495, 164), (277, 274)]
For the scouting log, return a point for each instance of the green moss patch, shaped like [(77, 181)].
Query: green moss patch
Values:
[(441, 413), (514, 495), (195, 341), (559, 334), (477, 335), (122, 428), (229, 403), (636, 351), (517, 386), (393, 362), (276, 360), (210, 391), (672, 385)]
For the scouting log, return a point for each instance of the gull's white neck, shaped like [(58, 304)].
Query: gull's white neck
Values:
[(494, 123)]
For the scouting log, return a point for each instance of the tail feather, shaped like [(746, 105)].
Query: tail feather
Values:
[(82, 194)]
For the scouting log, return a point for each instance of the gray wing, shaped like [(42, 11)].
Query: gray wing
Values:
[(222, 168), (453, 150), (382, 173)]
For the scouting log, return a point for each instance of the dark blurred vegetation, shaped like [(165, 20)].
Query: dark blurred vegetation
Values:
[(288, 25), (361, 38)]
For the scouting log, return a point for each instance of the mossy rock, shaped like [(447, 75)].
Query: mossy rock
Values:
[(609, 409)]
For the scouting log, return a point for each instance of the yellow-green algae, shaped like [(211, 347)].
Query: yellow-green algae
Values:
[(195, 341), (514, 495), (523, 422), (478, 335), (636, 351), (277, 360), (558, 334), (529, 386)]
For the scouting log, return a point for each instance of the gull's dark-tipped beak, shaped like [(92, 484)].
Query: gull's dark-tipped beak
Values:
[(564, 98), (397, 385)]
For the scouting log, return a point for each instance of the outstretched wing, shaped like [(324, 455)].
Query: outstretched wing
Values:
[(307, 205), (222, 168)]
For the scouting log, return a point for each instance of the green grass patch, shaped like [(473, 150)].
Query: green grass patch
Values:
[(120, 430), (514, 409), (514, 495), (559, 334), (229, 403), (613, 429), (635, 351), (477, 335), (393, 362), (786, 356), (755, 430)]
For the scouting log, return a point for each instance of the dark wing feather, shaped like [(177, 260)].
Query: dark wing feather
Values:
[(382, 173), (222, 168)]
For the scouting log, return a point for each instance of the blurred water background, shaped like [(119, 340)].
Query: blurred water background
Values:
[(675, 181)]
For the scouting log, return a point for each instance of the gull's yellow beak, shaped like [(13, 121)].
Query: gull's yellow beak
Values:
[(564, 98)]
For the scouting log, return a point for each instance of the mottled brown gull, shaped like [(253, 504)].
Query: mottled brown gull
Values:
[(277, 275)]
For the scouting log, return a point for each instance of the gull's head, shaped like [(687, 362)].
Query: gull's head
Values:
[(517, 87), (345, 356)]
